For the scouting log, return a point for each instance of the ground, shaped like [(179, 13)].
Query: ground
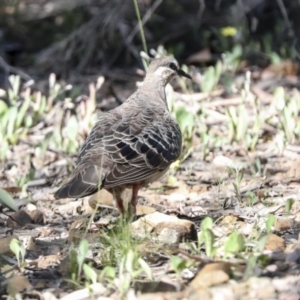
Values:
[(222, 224)]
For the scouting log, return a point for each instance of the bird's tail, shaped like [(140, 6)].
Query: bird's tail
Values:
[(83, 184)]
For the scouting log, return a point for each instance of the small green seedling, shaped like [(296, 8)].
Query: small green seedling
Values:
[(18, 249), (270, 223), (207, 237), (288, 205), (179, 264), (7, 200), (235, 243)]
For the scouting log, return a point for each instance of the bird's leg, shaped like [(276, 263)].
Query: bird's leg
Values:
[(120, 205), (134, 198), (117, 194)]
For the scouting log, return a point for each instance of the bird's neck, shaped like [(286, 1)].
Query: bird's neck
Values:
[(156, 88)]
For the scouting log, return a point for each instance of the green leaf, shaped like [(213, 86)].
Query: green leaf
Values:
[(262, 242), (12, 116), (18, 249), (288, 205), (15, 81), (7, 200), (3, 107), (15, 247), (235, 243), (43, 106), (279, 98), (251, 263), (270, 223), (83, 249), (146, 268), (209, 240), (73, 264), (185, 120), (109, 272), (178, 264), (22, 111), (207, 223), (72, 128), (28, 121), (90, 273), (209, 80), (264, 260), (129, 265)]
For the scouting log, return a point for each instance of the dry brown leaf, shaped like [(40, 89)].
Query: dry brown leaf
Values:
[(19, 219), (284, 68), (12, 189), (49, 260), (229, 219), (198, 188)]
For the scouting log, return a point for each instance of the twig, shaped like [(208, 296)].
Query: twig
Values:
[(145, 19), (201, 8), (137, 11), (195, 257), (217, 5), (10, 69), (284, 13)]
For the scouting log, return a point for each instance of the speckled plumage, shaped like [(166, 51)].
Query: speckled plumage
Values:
[(131, 145)]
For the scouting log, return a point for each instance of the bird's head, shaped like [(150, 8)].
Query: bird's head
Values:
[(165, 69)]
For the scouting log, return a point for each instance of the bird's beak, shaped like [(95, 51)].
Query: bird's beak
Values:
[(182, 73)]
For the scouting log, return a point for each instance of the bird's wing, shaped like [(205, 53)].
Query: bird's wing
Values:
[(141, 149)]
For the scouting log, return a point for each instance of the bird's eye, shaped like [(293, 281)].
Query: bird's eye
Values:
[(173, 66)]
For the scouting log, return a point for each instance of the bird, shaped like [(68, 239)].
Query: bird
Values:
[(131, 145)]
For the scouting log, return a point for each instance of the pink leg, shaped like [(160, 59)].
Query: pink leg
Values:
[(134, 198)]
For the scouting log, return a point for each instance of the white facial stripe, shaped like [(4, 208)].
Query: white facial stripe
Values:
[(163, 72)]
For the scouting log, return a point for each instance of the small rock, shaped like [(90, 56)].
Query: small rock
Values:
[(154, 286), (164, 228), (18, 284), (223, 293), (293, 256), (275, 242), (102, 197), (282, 224), (261, 288), (48, 296), (96, 289), (212, 274), (144, 210), (5, 245), (162, 296), (37, 216), (222, 161)]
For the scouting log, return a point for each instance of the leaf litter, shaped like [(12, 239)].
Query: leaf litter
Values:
[(236, 189)]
